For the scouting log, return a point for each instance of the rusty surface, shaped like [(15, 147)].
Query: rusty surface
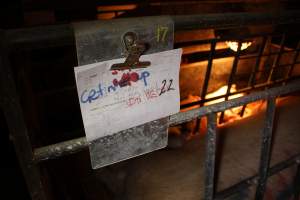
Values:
[(210, 159), (51, 151), (265, 154), (59, 35)]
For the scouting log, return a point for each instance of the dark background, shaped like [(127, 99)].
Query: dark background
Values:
[(29, 13)]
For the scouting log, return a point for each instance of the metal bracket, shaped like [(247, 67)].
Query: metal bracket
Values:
[(134, 50)]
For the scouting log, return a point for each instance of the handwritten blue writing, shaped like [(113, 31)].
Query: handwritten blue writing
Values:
[(88, 96), (144, 77)]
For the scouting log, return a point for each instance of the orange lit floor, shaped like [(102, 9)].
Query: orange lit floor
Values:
[(173, 174)]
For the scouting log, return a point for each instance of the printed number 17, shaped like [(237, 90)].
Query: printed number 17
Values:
[(161, 33)]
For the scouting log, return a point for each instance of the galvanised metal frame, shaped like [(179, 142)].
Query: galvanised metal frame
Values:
[(59, 35)]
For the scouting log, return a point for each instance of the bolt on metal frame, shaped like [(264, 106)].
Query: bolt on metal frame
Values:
[(58, 35)]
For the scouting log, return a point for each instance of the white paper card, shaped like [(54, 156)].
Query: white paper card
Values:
[(112, 101)]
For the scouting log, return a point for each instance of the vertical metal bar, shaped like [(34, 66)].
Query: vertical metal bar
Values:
[(208, 69), (252, 78), (265, 154), (289, 73), (297, 183), (257, 62), (16, 124), (232, 74), (206, 79), (277, 58), (210, 159)]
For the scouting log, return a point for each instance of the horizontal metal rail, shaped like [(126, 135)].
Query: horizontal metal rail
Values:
[(243, 90), (75, 145), (59, 35)]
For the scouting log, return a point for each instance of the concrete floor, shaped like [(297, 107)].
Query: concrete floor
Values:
[(173, 174), (178, 173)]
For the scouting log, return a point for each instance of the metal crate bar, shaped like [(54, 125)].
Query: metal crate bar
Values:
[(231, 77), (219, 107), (12, 110), (208, 70), (246, 90), (71, 146), (257, 62), (60, 35), (265, 154), (277, 58), (206, 79), (289, 74), (297, 182), (252, 78), (253, 179), (210, 160)]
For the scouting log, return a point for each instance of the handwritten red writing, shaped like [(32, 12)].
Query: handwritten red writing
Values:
[(128, 77), (151, 93), (134, 100)]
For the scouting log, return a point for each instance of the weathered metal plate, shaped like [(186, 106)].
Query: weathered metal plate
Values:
[(129, 143), (102, 40)]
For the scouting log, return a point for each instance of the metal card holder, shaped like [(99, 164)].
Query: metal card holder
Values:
[(105, 40), (134, 50)]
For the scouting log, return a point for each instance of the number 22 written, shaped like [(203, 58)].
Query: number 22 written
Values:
[(166, 87)]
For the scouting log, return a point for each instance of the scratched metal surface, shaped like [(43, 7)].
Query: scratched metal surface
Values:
[(129, 143), (102, 40)]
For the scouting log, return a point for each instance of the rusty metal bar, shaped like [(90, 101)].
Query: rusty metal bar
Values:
[(206, 79), (265, 154), (17, 127), (210, 159), (289, 73), (267, 54), (297, 182), (208, 69), (277, 58), (247, 89), (230, 20), (59, 149), (231, 77), (252, 78), (219, 107), (257, 62), (59, 35)]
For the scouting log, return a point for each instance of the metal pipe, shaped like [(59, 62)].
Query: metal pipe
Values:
[(290, 71), (297, 182), (60, 149), (230, 20), (208, 69), (51, 151), (277, 58), (219, 107), (231, 77), (12, 110), (206, 80), (252, 78), (243, 90), (266, 144), (257, 62), (59, 35), (210, 159)]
